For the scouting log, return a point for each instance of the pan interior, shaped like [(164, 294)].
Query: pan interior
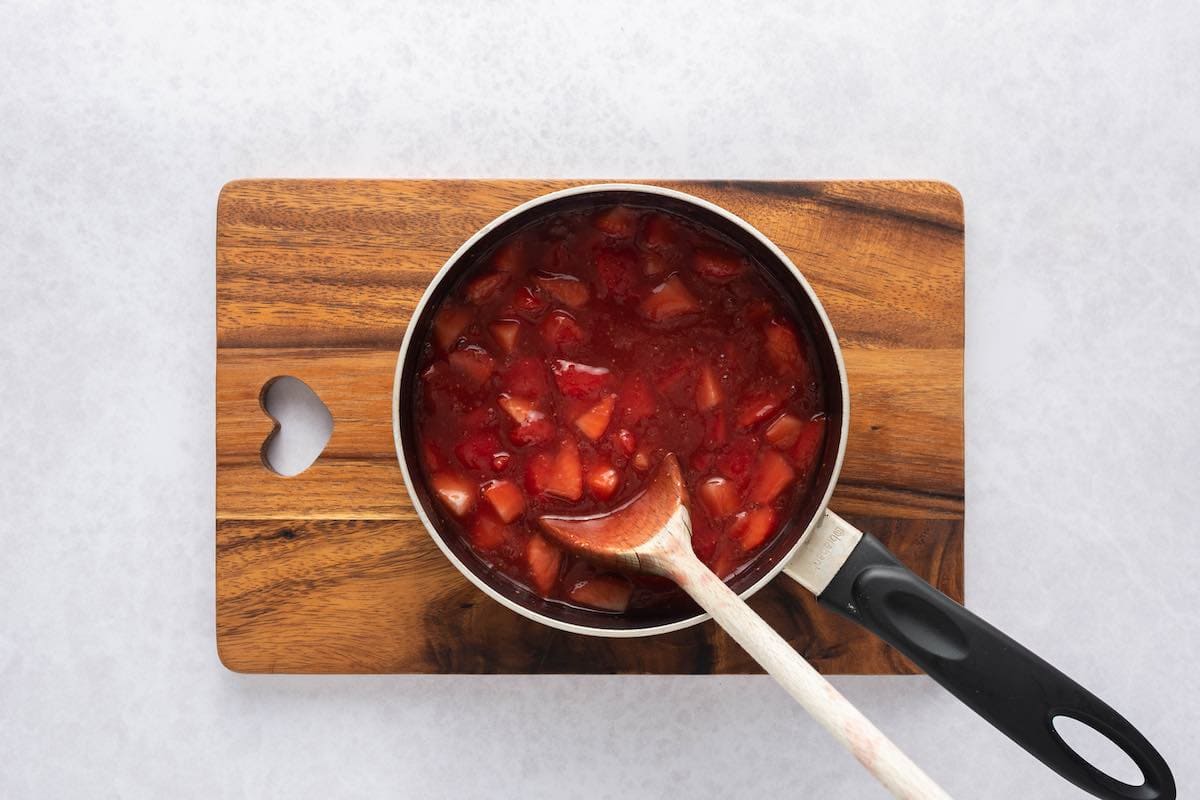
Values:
[(779, 276)]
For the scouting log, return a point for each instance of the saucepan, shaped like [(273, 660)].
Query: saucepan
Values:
[(848, 570)]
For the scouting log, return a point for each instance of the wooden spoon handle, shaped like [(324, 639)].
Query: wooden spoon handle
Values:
[(876, 752)]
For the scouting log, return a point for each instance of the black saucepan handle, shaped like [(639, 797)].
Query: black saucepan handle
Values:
[(1003, 682)]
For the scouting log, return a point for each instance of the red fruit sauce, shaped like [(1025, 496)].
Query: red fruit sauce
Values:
[(578, 352)]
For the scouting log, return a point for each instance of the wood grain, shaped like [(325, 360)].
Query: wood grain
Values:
[(330, 571)]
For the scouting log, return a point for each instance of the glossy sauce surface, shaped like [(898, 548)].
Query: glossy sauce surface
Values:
[(571, 358)]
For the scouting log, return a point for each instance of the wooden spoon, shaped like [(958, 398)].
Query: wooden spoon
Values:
[(653, 533)]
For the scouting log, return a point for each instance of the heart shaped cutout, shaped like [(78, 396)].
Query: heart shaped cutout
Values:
[(303, 425)]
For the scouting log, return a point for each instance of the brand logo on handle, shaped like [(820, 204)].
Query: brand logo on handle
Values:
[(820, 556), (831, 542)]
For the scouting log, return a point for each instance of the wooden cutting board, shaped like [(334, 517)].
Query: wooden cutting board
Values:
[(330, 570)]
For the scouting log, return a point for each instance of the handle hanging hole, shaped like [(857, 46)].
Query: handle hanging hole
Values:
[(1097, 749)]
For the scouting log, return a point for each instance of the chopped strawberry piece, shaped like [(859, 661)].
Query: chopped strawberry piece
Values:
[(757, 310), (566, 480), (580, 380), (715, 431), (757, 405), (441, 386), (784, 350), (718, 266), (566, 289), (605, 592), (528, 303), (593, 422), (456, 492), (505, 498), (561, 330), (641, 459), (660, 232), (720, 497), (618, 221), (669, 300), (525, 377), (736, 462), (783, 431), (521, 409), (603, 480), (433, 455), (487, 534), (478, 449), (560, 259), (509, 256), (753, 527), (772, 476), (807, 450), (543, 559), (704, 538), (618, 271), (708, 389), (537, 473), (505, 332), (625, 441), (484, 288), (534, 432), (449, 324), (654, 263), (530, 425), (474, 363), (636, 399), (724, 560)]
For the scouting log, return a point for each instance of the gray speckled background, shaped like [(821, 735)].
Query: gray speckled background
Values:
[(1071, 131)]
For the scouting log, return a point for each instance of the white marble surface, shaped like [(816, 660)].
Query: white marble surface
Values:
[(1071, 131)]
